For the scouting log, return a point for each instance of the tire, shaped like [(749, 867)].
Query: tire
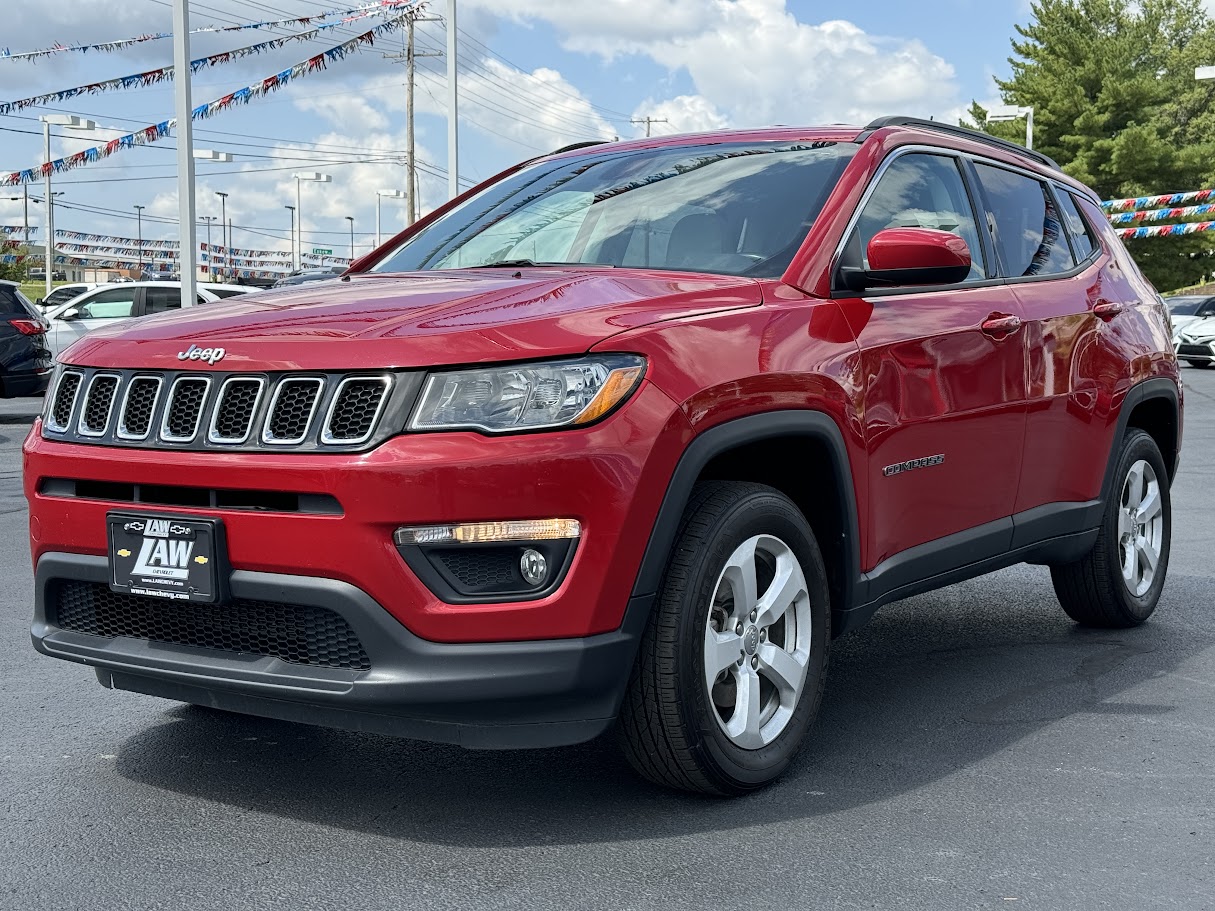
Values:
[(1111, 586), (677, 729), (1202, 365)]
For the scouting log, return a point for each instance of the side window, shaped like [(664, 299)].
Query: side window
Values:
[(1029, 233), (158, 300), (1081, 234), (921, 191), (114, 303), (1207, 308)]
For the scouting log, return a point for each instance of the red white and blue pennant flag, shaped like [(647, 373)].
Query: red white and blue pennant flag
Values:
[(158, 131), (164, 73), (17, 229), (348, 15), (1155, 202)]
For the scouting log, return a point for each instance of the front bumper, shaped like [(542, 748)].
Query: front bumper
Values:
[(1203, 352), (483, 695), (611, 477)]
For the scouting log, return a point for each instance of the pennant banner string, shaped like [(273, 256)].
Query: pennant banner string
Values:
[(164, 73), (1155, 202), (156, 132), (1123, 218), (1194, 227), (349, 15)]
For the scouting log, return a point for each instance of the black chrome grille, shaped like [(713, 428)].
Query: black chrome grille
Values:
[(98, 403), (191, 410), (355, 408), (234, 413), (184, 410), (292, 411), (136, 418), (65, 399), (296, 633)]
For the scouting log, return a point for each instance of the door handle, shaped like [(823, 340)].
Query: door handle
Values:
[(1107, 310), (1001, 325)]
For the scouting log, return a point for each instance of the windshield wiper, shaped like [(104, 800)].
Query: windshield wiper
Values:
[(516, 263)]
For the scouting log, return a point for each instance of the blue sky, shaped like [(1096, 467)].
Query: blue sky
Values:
[(537, 74)]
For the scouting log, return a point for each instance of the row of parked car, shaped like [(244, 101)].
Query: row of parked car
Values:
[(33, 333), (1193, 319)]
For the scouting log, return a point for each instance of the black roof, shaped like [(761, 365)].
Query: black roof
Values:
[(964, 132)]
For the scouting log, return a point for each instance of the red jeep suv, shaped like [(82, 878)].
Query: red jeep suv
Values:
[(622, 437)]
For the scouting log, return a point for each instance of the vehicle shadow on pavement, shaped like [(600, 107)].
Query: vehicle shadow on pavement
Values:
[(933, 685)]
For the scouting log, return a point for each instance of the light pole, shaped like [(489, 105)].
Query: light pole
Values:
[(292, 210), (380, 194), (139, 237), (72, 122), (315, 177), (453, 102), (1009, 113), (223, 223), (208, 219), (350, 218)]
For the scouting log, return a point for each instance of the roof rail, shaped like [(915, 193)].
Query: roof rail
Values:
[(974, 135)]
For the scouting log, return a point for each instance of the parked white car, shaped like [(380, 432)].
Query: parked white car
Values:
[(63, 294), (1188, 308), (107, 304)]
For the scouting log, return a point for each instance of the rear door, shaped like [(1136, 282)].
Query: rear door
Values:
[(1054, 265), (944, 412)]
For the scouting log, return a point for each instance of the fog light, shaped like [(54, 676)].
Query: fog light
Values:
[(533, 566)]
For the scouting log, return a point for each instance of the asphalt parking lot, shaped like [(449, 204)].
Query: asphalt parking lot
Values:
[(974, 750)]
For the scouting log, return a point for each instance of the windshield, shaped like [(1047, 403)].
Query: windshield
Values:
[(1183, 306), (736, 209)]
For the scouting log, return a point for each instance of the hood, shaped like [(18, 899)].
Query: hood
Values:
[(422, 319)]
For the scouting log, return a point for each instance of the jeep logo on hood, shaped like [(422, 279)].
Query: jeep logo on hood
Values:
[(194, 353)]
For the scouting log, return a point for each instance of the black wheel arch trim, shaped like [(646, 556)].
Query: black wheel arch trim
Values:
[(722, 438), (1144, 391)]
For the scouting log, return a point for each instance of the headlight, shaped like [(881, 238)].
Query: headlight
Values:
[(527, 396)]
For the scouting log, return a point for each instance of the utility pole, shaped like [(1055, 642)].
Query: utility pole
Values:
[(650, 120), (25, 229), (410, 56)]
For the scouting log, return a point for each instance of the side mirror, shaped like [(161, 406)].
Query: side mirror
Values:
[(70, 314), (38, 302), (911, 256)]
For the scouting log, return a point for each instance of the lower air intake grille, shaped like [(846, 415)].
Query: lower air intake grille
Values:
[(296, 633)]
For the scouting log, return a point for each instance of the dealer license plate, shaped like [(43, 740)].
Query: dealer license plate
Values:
[(167, 556)]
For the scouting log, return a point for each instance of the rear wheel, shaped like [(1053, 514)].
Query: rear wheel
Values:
[(1118, 583), (731, 666)]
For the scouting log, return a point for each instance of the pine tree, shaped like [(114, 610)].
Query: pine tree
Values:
[(1116, 104)]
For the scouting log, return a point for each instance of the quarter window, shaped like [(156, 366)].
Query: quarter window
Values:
[(158, 300), (921, 191), (1081, 234), (1029, 232)]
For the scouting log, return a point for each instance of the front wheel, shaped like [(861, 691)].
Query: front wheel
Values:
[(731, 666), (1118, 583)]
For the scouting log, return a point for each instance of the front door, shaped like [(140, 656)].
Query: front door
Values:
[(944, 397)]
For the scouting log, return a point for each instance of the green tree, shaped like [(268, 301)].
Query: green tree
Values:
[(1116, 104)]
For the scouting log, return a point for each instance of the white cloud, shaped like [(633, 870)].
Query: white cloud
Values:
[(681, 114), (754, 61)]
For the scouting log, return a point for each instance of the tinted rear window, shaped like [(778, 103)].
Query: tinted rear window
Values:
[(1029, 231), (12, 301)]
